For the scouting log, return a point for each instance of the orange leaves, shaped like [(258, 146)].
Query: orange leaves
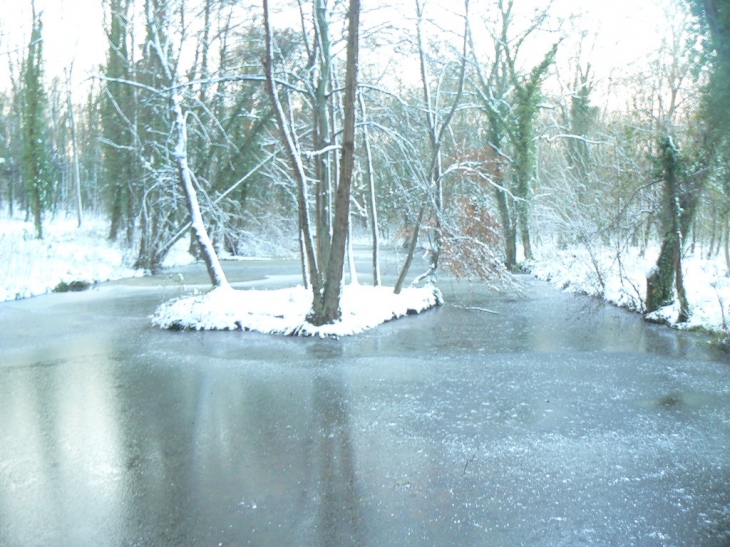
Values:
[(470, 244)]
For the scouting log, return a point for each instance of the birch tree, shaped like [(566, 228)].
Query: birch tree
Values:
[(160, 45), (371, 195)]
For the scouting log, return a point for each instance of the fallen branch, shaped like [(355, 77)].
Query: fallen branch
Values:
[(475, 308)]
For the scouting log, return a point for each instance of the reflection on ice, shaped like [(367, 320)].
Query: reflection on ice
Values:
[(558, 421), (60, 460)]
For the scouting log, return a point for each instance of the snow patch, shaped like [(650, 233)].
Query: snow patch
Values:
[(284, 311), (623, 283), (66, 254)]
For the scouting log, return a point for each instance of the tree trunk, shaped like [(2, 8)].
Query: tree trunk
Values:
[(321, 137), (115, 214), (143, 252), (524, 220), (726, 244), (313, 267), (684, 310), (351, 256), (327, 309), (660, 281), (372, 199), (11, 197), (411, 250), (303, 258), (508, 229), (679, 203), (713, 230), (77, 175), (215, 271)]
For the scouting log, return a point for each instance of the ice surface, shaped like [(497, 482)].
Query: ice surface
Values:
[(557, 421)]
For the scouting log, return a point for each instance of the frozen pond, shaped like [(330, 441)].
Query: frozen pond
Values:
[(555, 422)]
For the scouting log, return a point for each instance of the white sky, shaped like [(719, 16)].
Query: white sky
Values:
[(73, 29)]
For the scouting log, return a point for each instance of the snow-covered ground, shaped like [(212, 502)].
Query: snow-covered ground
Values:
[(623, 282), (284, 311), (66, 254)]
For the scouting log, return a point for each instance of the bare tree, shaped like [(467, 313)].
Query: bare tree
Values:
[(511, 99), (326, 262), (160, 46), (372, 197), (75, 151), (437, 121)]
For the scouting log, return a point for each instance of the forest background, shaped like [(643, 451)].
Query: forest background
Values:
[(485, 132)]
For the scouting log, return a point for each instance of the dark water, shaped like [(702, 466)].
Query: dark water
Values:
[(555, 422)]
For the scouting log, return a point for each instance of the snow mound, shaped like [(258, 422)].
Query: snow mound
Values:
[(707, 283), (284, 311), (66, 255)]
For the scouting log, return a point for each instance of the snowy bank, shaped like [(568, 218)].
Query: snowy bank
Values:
[(67, 255), (623, 283), (284, 311)]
